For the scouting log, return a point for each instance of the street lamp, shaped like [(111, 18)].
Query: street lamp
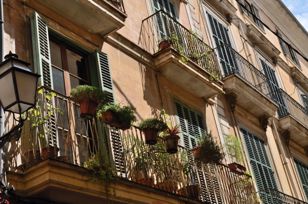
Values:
[(18, 87)]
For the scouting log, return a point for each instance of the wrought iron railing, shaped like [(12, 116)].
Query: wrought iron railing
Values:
[(241, 67), (54, 130), (273, 196), (161, 28), (176, 173), (118, 4), (289, 106)]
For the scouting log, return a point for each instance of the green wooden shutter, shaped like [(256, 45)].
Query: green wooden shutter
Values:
[(303, 174), (262, 170), (42, 66), (41, 51), (105, 83), (105, 79)]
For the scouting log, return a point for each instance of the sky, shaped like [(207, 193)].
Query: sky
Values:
[(299, 8)]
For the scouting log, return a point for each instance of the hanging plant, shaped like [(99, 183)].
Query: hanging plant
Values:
[(117, 116), (88, 97), (151, 127), (172, 139)]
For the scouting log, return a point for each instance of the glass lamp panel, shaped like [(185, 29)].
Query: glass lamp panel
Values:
[(26, 85), (7, 91)]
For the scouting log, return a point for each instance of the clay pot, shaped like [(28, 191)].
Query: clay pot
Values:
[(87, 108), (171, 142), (146, 181), (150, 136), (164, 44), (49, 152), (168, 185)]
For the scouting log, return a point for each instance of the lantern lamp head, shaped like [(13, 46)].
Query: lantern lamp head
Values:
[(18, 85)]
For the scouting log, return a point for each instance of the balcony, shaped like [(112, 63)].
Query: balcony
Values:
[(299, 77), (141, 173), (249, 85), (274, 196), (97, 16), (294, 119), (184, 59)]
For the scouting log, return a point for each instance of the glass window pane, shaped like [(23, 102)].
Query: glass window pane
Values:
[(76, 64), (55, 52), (58, 80)]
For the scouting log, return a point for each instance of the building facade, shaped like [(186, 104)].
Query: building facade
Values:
[(235, 68)]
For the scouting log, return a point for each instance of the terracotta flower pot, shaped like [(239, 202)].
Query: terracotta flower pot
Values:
[(171, 142), (108, 117), (168, 185), (237, 168), (150, 136), (146, 181), (196, 152), (87, 108), (164, 44)]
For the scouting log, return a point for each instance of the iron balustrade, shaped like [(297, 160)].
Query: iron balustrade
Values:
[(242, 68), (118, 4), (273, 196), (152, 166), (290, 106), (161, 27)]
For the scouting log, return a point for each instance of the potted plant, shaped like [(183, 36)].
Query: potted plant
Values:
[(151, 127), (172, 139), (117, 116), (207, 151), (234, 150), (88, 97)]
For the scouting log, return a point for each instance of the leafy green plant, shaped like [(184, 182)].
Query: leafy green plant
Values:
[(234, 148), (153, 123), (97, 170), (123, 114), (209, 151), (41, 114), (83, 92)]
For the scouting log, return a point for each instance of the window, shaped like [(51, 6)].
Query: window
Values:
[(304, 98), (275, 91), (287, 50), (260, 164), (252, 12), (222, 42), (191, 123), (63, 66), (165, 5), (66, 61), (303, 174)]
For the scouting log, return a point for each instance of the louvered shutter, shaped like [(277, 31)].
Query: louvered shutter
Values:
[(105, 83), (305, 102), (105, 79), (256, 17), (276, 93), (303, 174), (262, 170), (192, 129), (223, 44), (282, 44), (42, 66)]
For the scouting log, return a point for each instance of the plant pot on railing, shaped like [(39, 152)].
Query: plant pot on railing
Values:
[(172, 140), (117, 116), (164, 44), (168, 185), (237, 168), (88, 97), (207, 151), (151, 128), (190, 191)]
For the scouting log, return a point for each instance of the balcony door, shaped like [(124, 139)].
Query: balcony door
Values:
[(275, 91), (222, 43), (261, 165)]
